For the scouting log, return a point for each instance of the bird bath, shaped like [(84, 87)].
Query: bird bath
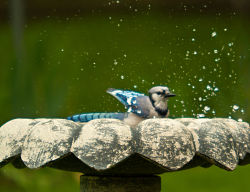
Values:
[(116, 157)]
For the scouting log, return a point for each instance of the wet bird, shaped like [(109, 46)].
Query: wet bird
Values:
[(139, 106)]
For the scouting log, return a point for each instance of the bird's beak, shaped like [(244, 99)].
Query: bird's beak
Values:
[(170, 95)]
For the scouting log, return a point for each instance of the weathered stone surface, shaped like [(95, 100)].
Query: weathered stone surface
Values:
[(12, 136), (166, 141), (47, 141), (221, 141), (103, 143), (110, 147)]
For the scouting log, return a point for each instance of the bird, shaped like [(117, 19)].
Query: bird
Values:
[(139, 106)]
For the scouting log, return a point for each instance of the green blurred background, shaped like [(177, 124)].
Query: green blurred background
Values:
[(57, 58)]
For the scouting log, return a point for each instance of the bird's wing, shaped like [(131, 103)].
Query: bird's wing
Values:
[(132, 100)]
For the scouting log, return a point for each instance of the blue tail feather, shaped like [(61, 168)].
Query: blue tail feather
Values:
[(85, 117)]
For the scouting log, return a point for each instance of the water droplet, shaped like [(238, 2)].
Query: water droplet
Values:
[(122, 77), (235, 107), (200, 115), (240, 120), (217, 59), (209, 87), (206, 108), (216, 89), (214, 34)]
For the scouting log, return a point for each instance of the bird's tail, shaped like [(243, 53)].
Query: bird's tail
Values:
[(85, 117)]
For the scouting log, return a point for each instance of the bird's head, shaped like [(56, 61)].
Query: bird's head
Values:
[(159, 95)]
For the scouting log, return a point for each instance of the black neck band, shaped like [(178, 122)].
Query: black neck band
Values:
[(152, 101), (161, 112)]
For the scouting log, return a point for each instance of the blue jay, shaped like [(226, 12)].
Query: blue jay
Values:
[(138, 105)]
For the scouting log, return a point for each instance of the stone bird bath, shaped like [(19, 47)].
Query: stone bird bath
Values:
[(116, 157)]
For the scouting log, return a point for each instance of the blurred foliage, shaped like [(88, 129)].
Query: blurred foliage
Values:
[(206, 180), (69, 62), (41, 180)]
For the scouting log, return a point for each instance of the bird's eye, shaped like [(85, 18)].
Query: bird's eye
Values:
[(158, 93)]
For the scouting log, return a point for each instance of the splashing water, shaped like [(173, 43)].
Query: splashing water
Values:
[(213, 34)]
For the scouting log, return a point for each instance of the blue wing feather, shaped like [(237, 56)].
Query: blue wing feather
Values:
[(124, 96), (129, 99)]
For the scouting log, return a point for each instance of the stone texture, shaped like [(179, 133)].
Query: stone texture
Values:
[(110, 147), (12, 137), (103, 143), (165, 141), (221, 141), (48, 140)]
